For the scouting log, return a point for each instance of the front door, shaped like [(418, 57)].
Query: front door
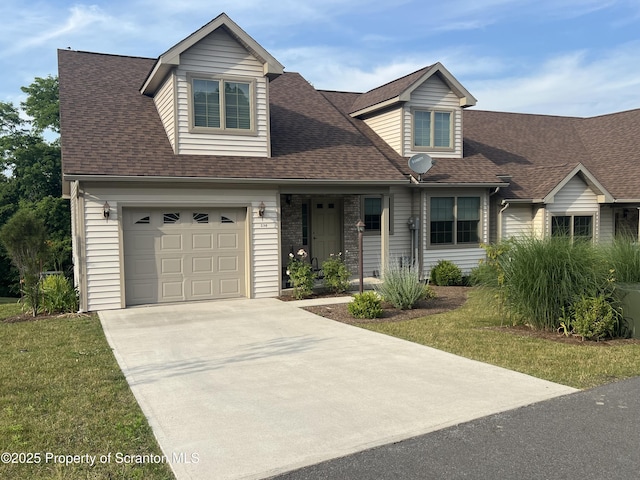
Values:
[(325, 228)]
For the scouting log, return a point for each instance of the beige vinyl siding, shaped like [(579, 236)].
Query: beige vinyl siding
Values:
[(434, 93), (607, 224), (220, 55), (371, 258), (575, 198), (539, 223), (465, 258), (101, 254), (400, 241), (388, 125), (103, 239), (517, 221), (165, 104)]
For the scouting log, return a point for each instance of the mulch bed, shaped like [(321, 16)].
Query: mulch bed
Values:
[(447, 298)]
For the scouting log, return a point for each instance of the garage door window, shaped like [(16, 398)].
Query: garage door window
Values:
[(201, 218), (143, 220), (169, 218)]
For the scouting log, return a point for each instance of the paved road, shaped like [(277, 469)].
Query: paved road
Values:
[(589, 435)]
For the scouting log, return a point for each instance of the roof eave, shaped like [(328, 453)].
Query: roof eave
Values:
[(171, 57), (459, 184), (229, 180)]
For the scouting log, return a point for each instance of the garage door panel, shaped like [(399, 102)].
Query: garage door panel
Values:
[(202, 265), (171, 242), (202, 288), (201, 241), (173, 290), (143, 266), (171, 266), (202, 255), (229, 286), (228, 240), (228, 264)]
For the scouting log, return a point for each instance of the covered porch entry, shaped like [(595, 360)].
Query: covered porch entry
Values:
[(324, 224)]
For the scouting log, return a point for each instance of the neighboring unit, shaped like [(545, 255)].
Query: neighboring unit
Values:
[(194, 175)]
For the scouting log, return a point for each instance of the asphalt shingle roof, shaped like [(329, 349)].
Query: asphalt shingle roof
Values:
[(109, 128)]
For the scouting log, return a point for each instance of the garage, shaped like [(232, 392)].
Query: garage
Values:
[(178, 254)]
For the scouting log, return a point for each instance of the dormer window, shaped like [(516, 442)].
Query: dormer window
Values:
[(222, 104), (432, 129)]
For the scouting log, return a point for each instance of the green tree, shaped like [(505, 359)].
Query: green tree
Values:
[(24, 238), (42, 103), (30, 171)]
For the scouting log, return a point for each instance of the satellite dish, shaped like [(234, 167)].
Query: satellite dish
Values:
[(421, 163)]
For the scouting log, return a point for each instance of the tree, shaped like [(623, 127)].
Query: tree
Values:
[(42, 103), (30, 171), (24, 237)]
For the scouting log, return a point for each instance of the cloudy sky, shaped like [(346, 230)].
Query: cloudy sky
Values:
[(557, 57)]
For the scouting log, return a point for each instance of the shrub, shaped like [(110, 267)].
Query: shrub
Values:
[(543, 276), (594, 318), (365, 305), (401, 286), (24, 238), (336, 274), (446, 273), (301, 274), (58, 295)]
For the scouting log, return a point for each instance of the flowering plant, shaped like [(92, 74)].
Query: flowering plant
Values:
[(301, 274)]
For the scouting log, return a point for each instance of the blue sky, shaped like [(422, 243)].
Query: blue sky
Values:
[(557, 57)]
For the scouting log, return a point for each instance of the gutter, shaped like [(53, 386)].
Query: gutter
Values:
[(242, 181), (457, 184)]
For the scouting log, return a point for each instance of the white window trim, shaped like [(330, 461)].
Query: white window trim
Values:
[(432, 148), (222, 129), (455, 244)]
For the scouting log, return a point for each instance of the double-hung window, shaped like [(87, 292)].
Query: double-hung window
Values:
[(371, 208), (572, 226), (222, 104), (454, 220), (432, 129)]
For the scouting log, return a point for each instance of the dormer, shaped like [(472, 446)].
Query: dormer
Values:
[(418, 113), (211, 92)]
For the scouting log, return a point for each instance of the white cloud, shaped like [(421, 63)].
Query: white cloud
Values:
[(572, 84)]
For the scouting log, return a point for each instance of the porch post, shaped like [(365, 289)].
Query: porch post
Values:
[(384, 233)]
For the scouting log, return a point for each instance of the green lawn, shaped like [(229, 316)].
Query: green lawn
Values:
[(467, 332), (62, 393)]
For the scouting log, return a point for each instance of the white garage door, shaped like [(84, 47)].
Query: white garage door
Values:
[(174, 254)]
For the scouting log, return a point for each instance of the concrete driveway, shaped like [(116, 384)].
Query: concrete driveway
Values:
[(252, 388)]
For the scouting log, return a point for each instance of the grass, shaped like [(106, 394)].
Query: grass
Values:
[(470, 332), (62, 392)]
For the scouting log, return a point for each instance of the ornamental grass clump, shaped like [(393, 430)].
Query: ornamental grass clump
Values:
[(301, 274), (543, 277), (623, 255), (401, 286), (336, 274)]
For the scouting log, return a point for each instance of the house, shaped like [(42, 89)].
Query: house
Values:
[(194, 175)]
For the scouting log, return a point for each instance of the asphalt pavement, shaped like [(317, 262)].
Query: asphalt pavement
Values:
[(588, 435)]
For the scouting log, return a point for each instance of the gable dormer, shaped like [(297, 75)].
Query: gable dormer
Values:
[(421, 112), (211, 92)]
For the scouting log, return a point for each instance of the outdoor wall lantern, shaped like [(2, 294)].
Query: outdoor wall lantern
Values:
[(106, 210), (261, 209), (360, 227)]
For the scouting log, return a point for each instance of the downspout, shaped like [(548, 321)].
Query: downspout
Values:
[(506, 205)]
